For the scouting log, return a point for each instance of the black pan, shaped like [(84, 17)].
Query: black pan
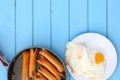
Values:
[(15, 66)]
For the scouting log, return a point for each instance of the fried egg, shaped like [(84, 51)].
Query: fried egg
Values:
[(85, 61)]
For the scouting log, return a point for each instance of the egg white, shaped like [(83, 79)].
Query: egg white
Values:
[(81, 60)]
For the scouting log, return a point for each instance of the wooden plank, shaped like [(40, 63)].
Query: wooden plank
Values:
[(114, 31), (3, 72), (78, 18), (97, 16), (23, 24), (7, 28), (59, 26), (42, 23)]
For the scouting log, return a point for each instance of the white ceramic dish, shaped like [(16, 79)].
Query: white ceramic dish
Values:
[(101, 43)]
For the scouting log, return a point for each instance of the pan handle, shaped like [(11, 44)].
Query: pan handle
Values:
[(4, 60)]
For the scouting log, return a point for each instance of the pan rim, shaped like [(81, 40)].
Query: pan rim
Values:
[(39, 47)]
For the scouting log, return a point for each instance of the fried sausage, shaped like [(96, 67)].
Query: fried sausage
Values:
[(40, 77), (50, 67), (52, 59), (32, 62), (25, 66), (46, 73)]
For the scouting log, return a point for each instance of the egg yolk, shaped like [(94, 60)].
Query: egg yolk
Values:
[(79, 55), (99, 57)]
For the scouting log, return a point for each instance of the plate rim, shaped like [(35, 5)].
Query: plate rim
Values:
[(93, 33)]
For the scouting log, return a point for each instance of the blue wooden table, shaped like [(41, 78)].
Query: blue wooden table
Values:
[(52, 23)]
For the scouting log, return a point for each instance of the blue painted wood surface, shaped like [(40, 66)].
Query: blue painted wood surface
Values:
[(41, 23), (59, 27), (7, 28), (114, 31), (97, 16), (78, 19), (52, 23), (23, 24)]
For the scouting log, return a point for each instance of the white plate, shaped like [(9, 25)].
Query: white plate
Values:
[(101, 43)]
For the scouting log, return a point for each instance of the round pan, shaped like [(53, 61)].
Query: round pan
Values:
[(15, 66)]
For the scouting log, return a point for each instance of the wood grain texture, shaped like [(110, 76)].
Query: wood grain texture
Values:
[(59, 26), (7, 28), (114, 31), (42, 23), (3, 72), (7, 31), (52, 23), (78, 18), (97, 16), (23, 24)]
